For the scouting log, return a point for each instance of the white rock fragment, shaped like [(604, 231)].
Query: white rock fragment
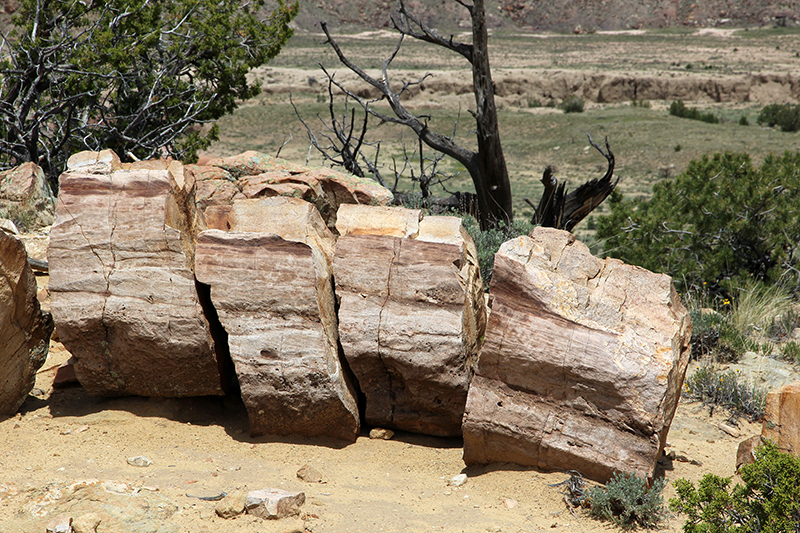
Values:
[(139, 460), (274, 503), (381, 434), (458, 480)]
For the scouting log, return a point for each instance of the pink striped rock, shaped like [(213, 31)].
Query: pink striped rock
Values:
[(583, 361)]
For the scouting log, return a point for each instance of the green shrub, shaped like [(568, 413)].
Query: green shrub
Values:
[(722, 221), (626, 501), (787, 116), (768, 501), (743, 121), (573, 104), (678, 109), (726, 390), (489, 241)]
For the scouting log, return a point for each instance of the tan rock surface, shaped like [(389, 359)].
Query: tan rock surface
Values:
[(410, 318), (271, 284), (782, 418), (24, 329), (221, 181), (583, 362), (123, 292)]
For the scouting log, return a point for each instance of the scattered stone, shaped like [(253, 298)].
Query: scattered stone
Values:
[(60, 524), (381, 433), (24, 328), (782, 418), (309, 474), (744, 453), (87, 523), (139, 460), (123, 293), (583, 362), (232, 505), (510, 503), (411, 315), (9, 227), (65, 375), (215, 497), (732, 431), (274, 503), (271, 283), (458, 480), (683, 459)]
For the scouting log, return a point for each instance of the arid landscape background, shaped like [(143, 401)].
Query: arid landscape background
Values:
[(201, 447)]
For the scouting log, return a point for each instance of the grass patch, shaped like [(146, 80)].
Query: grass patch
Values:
[(725, 389), (489, 241)]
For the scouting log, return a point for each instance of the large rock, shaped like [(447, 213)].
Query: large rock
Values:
[(583, 361), (411, 314), (782, 418), (24, 329), (25, 197), (222, 181), (270, 279), (123, 293)]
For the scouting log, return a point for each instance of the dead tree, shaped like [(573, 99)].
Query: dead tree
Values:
[(492, 200), (563, 211), (486, 166)]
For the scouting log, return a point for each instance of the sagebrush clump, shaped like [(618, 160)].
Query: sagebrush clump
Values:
[(728, 390), (626, 501)]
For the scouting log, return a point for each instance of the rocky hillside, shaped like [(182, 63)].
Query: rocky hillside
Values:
[(539, 15), (560, 15)]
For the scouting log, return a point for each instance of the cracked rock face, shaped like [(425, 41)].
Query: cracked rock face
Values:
[(122, 289), (251, 175), (583, 362), (24, 329), (270, 279), (411, 315)]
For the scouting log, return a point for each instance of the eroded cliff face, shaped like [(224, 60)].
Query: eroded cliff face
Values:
[(558, 15)]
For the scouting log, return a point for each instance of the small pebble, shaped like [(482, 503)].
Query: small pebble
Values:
[(139, 460), (458, 480), (380, 433)]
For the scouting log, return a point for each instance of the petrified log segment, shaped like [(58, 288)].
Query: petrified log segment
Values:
[(122, 289), (782, 418), (583, 362), (411, 315), (223, 181), (271, 284), (24, 329)]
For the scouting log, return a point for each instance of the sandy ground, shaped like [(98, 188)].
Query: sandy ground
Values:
[(202, 447)]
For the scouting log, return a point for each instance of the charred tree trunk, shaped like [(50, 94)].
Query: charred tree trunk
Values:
[(491, 181), (563, 211)]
